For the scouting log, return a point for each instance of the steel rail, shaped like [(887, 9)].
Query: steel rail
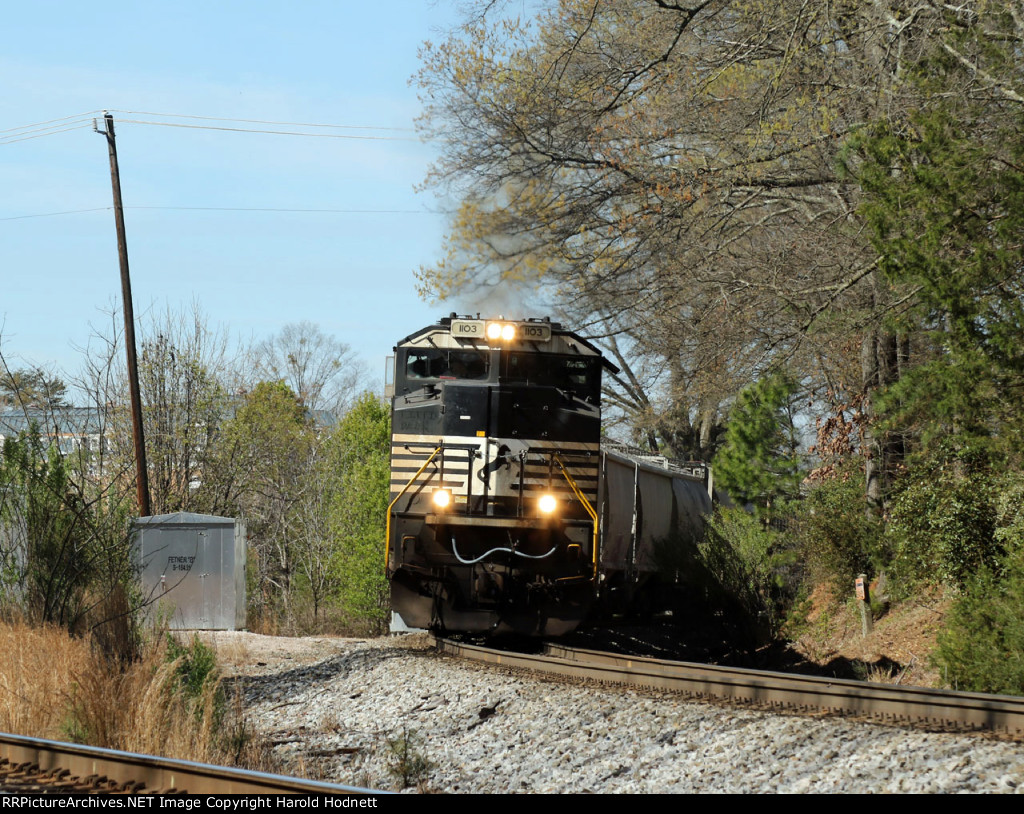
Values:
[(155, 774), (886, 702)]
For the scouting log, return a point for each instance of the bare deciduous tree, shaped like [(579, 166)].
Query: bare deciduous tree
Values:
[(320, 369)]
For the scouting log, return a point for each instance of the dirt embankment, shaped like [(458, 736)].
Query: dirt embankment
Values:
[(897, 650)]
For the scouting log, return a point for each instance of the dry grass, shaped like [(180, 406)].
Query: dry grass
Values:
[(55, 686), (38, 669), (156, 719), (232, 650)]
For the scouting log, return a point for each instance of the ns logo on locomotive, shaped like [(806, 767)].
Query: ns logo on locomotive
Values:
[(502, 515)]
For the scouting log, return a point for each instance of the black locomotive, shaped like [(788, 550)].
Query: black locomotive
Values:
[(506, 515)]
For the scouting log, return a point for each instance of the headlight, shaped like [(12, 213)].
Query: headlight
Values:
[(548, 504), (505, 331), (442, 497)]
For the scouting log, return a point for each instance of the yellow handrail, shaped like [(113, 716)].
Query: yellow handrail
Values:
[(586, 505), (387, 525)]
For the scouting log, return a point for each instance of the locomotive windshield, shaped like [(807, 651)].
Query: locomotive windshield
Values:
[(580, 375), (440, 363)]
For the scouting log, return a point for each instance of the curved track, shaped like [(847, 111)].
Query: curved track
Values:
[(43, 766), (918, 705)]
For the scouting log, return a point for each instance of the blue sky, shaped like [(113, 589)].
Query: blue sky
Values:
[(340, 63)]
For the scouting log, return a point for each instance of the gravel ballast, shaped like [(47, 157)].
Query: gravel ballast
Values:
[(383, 713)]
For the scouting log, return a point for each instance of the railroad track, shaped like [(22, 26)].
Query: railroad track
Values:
[(942, 709), (32, 765)]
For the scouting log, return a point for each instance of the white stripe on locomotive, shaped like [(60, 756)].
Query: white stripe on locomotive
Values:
[(410, 451)]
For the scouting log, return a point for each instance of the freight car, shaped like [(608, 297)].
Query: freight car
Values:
[(506, 515)]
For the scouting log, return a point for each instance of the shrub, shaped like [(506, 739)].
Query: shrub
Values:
[(1009, 512), (406, 762), (752, 563), (196, 676), (838, 535), (943, 521), (981, 647), (64, 558)]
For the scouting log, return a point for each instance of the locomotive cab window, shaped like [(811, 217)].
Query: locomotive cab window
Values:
[(440, 363), (577, 374)]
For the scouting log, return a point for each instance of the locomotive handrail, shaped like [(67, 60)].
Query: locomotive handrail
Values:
[(387, 529), (586, 505)]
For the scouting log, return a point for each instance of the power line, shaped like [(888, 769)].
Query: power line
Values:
[(82, 120), (232, 209), (281, 209), (268, 132), (52, 121), (263, 121), (50, 132), (55, 214)]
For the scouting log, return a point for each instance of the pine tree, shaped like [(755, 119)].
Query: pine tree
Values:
[(757, 464)]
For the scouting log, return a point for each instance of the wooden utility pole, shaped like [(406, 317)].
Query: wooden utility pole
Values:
[(142, 476)]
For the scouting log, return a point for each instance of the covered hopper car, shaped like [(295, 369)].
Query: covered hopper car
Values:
[(506, 514)]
